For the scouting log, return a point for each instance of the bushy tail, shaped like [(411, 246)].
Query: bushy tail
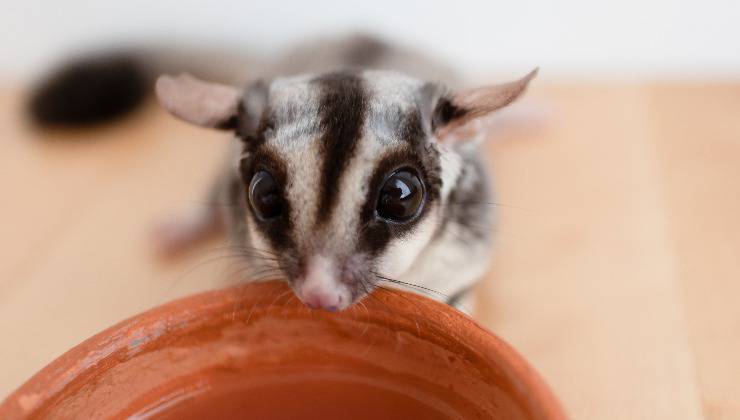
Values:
[(90, 90), (103, 86)]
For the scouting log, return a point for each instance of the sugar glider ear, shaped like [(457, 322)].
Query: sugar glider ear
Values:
[(459, 115), (198, 102)]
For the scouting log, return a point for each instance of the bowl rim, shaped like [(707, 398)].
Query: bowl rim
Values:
[(137, 334)]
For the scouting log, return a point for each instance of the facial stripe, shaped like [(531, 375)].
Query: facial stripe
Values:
[(277, 231), (413, 133), (342, 111), (411, 130)]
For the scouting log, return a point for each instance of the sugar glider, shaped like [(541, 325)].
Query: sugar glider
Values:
[(354, 165)]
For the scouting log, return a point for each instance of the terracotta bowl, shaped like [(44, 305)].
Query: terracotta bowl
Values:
[(256, 352)]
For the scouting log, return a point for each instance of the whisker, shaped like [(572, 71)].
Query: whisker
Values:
[(390, 290), (253, 273), (487, 203), (415, 320), (409, 284), (247, 250), (367, 318), (198, 265)]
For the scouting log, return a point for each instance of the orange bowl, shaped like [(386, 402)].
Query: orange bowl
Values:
[(255, 351)]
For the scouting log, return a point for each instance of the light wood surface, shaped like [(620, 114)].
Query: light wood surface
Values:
[(616, 272)]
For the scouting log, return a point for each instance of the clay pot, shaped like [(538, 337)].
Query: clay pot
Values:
[(256, 352)]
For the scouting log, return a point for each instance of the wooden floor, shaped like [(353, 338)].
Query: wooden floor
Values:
[(617, 272)]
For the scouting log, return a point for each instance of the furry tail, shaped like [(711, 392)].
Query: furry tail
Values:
[(104, 86), (90, 90)]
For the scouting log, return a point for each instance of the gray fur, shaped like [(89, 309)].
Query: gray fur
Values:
[(344, 248), (449, 225)]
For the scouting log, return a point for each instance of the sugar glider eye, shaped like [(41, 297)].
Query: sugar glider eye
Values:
[(401, 196), (264, 196)]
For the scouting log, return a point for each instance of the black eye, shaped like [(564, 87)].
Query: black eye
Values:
[(264, 196), (400, 197)]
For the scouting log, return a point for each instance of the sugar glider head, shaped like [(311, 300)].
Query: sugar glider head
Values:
[(345, 174)]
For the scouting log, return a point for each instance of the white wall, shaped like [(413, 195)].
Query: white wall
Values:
[(624, 38)]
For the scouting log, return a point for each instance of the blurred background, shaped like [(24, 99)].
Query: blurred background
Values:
[(569, 38), (617, 263)]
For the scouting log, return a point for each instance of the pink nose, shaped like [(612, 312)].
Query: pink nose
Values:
[(316, 299)]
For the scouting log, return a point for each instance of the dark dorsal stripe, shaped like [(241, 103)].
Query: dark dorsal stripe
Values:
[(342, 110)]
